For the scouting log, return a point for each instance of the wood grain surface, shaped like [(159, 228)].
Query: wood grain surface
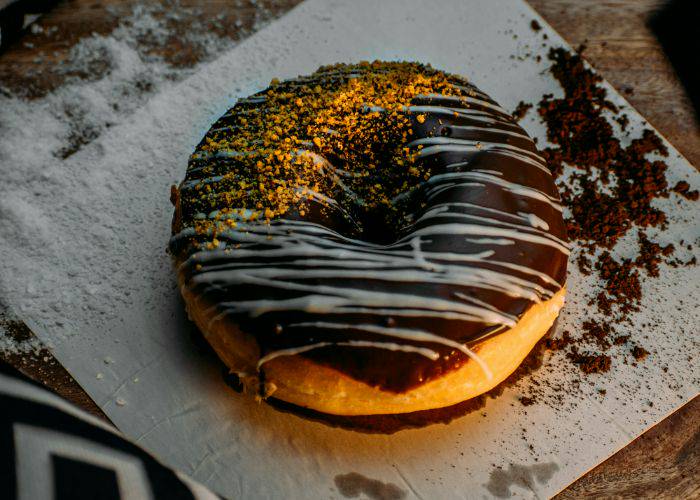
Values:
[(664, 462)]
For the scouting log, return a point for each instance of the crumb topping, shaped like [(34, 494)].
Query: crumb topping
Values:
[(338, 137)]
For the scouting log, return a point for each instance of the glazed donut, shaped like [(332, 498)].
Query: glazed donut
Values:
[(375, 238)]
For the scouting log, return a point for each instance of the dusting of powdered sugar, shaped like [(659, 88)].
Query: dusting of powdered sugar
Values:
[(64, 195), (15, 337)]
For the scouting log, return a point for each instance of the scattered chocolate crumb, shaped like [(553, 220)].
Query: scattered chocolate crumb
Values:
[(560, 343), (621, 339), (599, 333), (588, 362), (577, 124), (521, 110), (650, 254), (639, 353), (535, 25), (584, 264), (623, 120), (527, 401), (683, 189), (609, 190), (622, 284)]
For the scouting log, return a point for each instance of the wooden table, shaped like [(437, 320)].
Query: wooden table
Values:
[(661, 463)]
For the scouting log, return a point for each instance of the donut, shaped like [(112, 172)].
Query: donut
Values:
[(372, 239)]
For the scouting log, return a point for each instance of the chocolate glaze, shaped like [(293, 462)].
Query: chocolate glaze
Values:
[(395, 307)]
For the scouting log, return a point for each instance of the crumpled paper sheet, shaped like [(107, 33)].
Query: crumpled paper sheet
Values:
[(166, 393)]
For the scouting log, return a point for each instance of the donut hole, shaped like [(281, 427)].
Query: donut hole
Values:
[(378, 225), (386, 195), (378, 230)]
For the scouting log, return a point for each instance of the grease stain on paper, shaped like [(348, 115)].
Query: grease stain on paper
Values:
[(352, 485), (501, 480)]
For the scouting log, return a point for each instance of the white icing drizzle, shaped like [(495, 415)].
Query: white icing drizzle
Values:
[(455, 228), (441, 212), (418, 255), (402, 333), (513, 187), (474, 128), (468, 113), (391, 346), (535, 221), (465, 100), (436, 145)]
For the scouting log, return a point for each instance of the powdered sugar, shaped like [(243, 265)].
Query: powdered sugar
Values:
[(62, 201)]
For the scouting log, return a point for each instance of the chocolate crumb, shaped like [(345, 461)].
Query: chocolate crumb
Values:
[(599, 333), (609, 190), (521, 110), (621, 284), (527, 401), (623, 121), (558, 344), (590, 363), (683, 189), (584, 264), (650, 254), (602, 212), (639, 353), (621, 339), (535, 25)]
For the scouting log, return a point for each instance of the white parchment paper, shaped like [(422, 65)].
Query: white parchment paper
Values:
[(117, 312)]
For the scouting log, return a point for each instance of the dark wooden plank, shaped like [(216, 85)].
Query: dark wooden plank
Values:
[(662, 463), (32, 66)]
